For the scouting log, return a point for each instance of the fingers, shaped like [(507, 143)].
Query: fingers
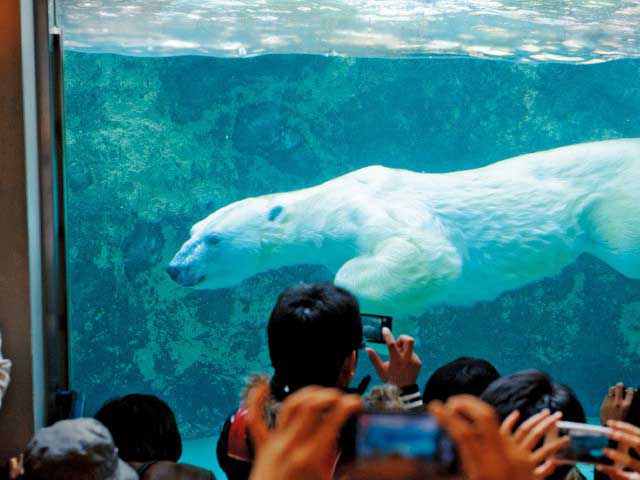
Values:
[(392, 346), (616, 474), (529, 424), (540, 430), (256, 422), (456, 427), (306, 409), (319, 410), (606, 404), (626, 428), (318, 414), (292, 406), (628, 397), (469, 438), (509, 423), (549, 449), (437, 410), (405, 344), (630, 440), (346, 406), (16, 467), (619, 392), (545, 470), (622, 460), (378, 364), (483, 416)]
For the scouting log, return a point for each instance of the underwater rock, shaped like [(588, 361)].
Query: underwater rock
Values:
[(263, 128), (142, 248), (77, 175), (258, 128)]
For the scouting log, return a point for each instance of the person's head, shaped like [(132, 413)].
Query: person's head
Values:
[(530, 392), (80, 449), (143, 427), (314, 331), (464, 375)]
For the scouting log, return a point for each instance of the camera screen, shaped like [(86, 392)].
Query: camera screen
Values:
[(404, 435), (372, 326), (586, 445)]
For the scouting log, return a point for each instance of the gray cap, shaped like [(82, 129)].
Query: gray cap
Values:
[(75, 449)]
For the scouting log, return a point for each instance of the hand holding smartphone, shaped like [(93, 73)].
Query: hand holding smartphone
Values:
[(415, 436), (587, 443)]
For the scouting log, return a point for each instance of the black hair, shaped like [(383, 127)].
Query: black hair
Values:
[(463, 375), (312, 330), (143, 428), (530, 392)]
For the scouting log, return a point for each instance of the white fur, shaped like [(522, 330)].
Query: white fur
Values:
[(402, 240)]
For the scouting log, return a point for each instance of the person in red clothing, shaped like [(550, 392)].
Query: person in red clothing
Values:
[(314, 334)]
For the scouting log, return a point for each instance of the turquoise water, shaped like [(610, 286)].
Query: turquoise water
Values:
[(154, 144)]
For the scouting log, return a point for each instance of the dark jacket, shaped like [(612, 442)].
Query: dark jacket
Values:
[(172, 471)]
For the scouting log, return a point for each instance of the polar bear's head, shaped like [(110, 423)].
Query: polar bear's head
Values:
[(228, 246)]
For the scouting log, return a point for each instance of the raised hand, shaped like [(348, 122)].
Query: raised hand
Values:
[(16, 466), (486, 451), (628, 438), (403, 367), (616, 404), (530, 433), (303, 443)]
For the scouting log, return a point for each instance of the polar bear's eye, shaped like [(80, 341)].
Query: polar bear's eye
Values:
[(212, 239), (275, 212)]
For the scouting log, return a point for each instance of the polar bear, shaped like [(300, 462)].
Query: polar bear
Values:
[(402, 241)]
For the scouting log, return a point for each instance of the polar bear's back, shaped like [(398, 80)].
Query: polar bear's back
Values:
[(583, 163), (541, 209)]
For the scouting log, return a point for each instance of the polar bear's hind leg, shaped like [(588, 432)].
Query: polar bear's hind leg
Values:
[(614, 228)]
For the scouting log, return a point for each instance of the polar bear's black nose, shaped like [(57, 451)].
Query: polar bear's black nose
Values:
[(173, 271), (185, 275)]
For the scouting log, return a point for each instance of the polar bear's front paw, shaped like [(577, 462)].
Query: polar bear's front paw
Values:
[(398, 276)]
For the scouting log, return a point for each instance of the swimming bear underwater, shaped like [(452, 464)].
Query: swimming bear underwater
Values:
[(402, 241)]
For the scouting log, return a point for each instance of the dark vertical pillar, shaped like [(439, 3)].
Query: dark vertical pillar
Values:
[(19, 314)]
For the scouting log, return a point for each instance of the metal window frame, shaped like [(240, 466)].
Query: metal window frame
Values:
[(48, 55)]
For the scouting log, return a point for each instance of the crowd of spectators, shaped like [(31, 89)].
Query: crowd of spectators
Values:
[(299, 422)]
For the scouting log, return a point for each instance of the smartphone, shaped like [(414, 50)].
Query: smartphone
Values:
[(586, 444), (415, 436), (372, 326)]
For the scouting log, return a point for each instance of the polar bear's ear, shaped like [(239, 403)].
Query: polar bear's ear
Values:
[(276, 213)]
